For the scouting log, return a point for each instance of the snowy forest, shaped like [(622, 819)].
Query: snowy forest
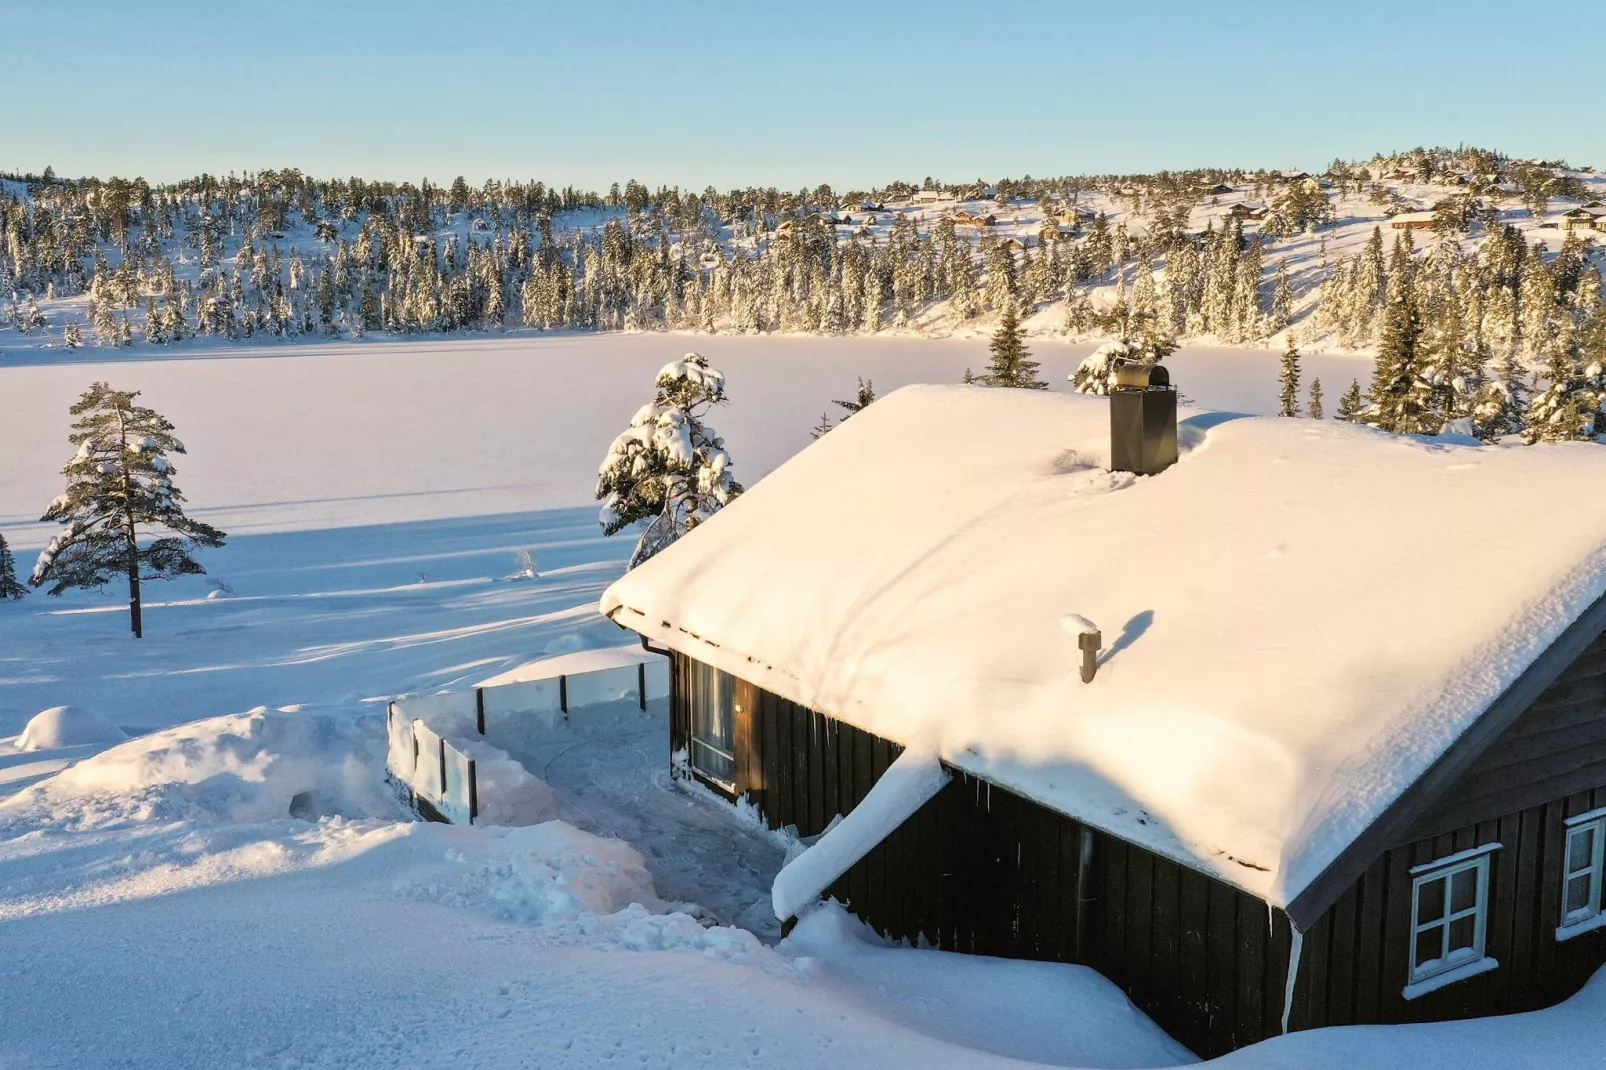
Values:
[(1466, 272)]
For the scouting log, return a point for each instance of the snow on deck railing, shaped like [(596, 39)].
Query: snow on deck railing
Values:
[(431, 738)]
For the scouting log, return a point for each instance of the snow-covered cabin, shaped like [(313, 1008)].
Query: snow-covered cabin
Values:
[(1584, 217), (1247, 210), (1412, 221), (1342, 756)]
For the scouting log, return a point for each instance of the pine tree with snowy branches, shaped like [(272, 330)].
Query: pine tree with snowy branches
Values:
[(1351, 403), (1316, 410), (668, 468), (120, 481), (1289, 381), (11, 589), (1569, 408), (1011, 363)]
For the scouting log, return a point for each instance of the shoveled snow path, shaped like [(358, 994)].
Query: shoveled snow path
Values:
[(698, 848)]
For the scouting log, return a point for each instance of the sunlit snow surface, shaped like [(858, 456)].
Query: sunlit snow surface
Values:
[(160, 908)]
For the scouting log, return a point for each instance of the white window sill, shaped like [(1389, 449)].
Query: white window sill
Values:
[(1579, 928), (1449, 977)]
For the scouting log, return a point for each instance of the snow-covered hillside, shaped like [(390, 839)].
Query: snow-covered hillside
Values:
[(283, 255)]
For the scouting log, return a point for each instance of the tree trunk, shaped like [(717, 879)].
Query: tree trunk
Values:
[(133, 583)]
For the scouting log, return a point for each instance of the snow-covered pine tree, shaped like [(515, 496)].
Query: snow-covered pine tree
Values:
[(120, 481), (1011, 363), (1351, 403), (1282, 298), (1288, 397), (668, 468), (822, 427), (862, 397), (1569, 408), (1502, 403), (1316, 410), (11, 588), (1402, 400)]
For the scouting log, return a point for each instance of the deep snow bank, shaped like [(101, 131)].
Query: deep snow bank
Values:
[(67, 726), (242, 767), (1046, 1012)]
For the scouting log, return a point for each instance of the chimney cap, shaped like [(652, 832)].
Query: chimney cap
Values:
[(1137, 376)]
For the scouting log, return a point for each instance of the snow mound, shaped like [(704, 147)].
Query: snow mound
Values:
[(67, 726), (1050, 1013), (576, 885), (244, 767)]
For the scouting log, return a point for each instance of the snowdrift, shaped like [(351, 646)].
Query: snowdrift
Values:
[(67, 726), (244, 767)]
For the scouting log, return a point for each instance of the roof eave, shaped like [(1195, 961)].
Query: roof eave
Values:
[(1384, 833)]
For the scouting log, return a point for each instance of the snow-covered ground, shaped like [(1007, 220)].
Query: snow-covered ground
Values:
[(161, 906)]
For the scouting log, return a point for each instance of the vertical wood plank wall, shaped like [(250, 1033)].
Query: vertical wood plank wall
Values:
[(983, 871), (1356, 956)]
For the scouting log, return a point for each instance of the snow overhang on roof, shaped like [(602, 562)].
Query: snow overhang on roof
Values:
[(1299, 617)]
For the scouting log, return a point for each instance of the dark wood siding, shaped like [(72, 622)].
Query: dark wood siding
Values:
[(1555, 748), (983, 871), (1355, 962)]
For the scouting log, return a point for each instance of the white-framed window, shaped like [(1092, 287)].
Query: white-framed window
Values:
[(1581, 870), (1449, 920)]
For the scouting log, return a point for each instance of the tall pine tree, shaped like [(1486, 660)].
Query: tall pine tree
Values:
[(119, 482), (1316, 410), (1011, 363), (1288, 398)]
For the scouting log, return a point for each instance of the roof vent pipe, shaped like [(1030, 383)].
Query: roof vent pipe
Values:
[(1088, 639), (1143, 420)]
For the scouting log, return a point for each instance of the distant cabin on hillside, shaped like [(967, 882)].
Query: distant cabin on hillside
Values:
[(931, 196), (1584, 217), (1340, 756), (1219, 189), (1412, 221), (971, 219), (1247, 210)]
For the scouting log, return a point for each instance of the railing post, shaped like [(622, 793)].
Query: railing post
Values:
[(641, 683), (563, 695), (473, 792), (479, 709), (443, 767)]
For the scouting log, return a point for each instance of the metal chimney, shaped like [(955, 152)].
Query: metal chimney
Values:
[(1143, 420)]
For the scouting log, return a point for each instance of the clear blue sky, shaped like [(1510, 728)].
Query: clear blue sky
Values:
[(792, 94)]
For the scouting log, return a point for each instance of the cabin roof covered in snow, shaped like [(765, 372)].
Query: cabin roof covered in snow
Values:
[(1299, 617)]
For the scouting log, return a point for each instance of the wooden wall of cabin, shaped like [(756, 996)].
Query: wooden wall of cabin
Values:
[(1549, 765), (982, 871), (1355, 960)]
